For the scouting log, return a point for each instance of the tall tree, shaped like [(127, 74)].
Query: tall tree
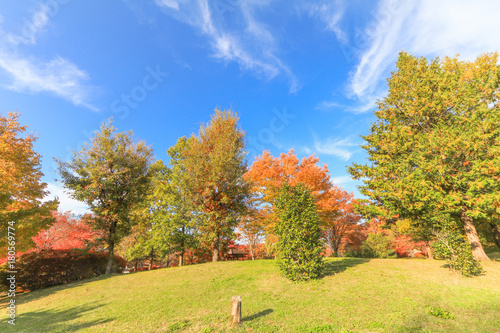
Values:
[(21, 188), (172, 213), (215, 164), (111, 175), (435, 150)]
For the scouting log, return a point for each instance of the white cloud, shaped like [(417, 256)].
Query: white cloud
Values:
[(27, 74), (331, 13), (248, 43), (341, 180), (66, 203), (423, 28), (168, 3), (335, 147)]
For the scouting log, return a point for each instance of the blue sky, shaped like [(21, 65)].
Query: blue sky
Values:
[(301, 74)]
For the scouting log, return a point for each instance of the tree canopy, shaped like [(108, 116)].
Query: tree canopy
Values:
[(111, 175), (434, 151), (214, 163), (21, 188)]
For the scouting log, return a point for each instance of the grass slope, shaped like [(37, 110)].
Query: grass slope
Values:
[(356, 295)]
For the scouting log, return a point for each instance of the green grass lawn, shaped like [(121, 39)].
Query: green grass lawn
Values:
[(356, 295)]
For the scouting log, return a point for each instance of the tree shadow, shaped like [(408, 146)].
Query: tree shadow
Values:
[(54, 320), (28, 296), (332, 267), (258, 315)]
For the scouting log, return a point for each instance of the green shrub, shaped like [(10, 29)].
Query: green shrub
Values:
[(45, 268), (377, 246), (299, 244), (440, 313), (453, 246)]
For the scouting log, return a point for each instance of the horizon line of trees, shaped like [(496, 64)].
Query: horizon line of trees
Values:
[(434, 156)]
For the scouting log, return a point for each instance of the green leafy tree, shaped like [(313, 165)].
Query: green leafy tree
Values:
[(111, 175), (214, 164), (298, 229), (434, 151), (21, 188), (171, 208)]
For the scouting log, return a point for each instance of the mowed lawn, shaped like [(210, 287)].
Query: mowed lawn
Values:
[(356, 295)]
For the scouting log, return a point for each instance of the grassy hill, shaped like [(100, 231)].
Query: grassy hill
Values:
[(356, 295)]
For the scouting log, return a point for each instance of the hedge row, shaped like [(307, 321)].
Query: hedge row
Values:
[(45, 268)]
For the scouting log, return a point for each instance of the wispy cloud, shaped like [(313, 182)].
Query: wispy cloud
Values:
[(330, 13), (66, 203), (23, 73), (340, 180), (424, 28), (249, 43), (341, 148)]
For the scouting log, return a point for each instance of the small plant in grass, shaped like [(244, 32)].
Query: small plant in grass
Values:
[(440, 313), (454, 247), (299, 245)]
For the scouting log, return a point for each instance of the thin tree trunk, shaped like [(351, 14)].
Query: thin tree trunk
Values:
[(215, 250), (496, 233), (111, 247), (475, 243), (151, 259), (181, 259), (183, 249), (428, 249)]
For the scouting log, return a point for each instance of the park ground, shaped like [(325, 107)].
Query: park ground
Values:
[(355, 295)]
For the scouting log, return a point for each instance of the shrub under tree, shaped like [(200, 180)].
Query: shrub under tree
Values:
[(299, 246)]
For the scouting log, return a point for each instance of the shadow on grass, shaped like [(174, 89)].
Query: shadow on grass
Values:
[(494, 256), (333, 267), (54, 320), (28, 296), (258, 315)]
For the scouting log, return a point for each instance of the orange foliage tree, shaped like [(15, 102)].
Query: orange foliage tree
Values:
[(267, 174), (67, 232), (339, 227)]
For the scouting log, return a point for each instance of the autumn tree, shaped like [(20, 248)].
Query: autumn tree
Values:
[(434, 151), (268, 174), (68, 232), (338, 226), (214, 164), (299, 233), (111, 175), (21, 187), (252, 232)]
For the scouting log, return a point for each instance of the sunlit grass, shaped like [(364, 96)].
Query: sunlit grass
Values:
[(356, 295)]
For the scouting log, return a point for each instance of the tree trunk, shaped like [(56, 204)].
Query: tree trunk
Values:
[(111, 247), (181, 259), (335, 249), (151, 260), (428, 250), (215, 254), (215, 250), (496, 233), (475, 243)]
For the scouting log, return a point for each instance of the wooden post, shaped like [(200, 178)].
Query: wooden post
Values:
[(236, 310)]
